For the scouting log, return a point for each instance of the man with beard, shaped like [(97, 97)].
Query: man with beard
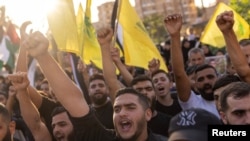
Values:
[(131, 109), (99, 95), (159, 122), (205, 75), (61, 125)]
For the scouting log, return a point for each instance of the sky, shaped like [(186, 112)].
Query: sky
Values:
[(35, 10)]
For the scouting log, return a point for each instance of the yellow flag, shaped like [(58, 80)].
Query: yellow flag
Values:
[(92, 50), (79, 24), (62, 23), (138, 47), (213, 36)]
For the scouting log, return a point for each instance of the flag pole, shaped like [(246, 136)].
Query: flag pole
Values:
[(118, 2)]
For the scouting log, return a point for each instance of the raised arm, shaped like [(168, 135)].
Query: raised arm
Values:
[(173, 25), (225, 22), (67, 93), (153, 65), (109, 70), (21, 65), (82, 68), (11, 99), (127, 76), (29, 111), (22, 55)]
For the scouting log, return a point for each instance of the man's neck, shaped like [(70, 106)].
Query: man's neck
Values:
[(167, 100), (100, 105)]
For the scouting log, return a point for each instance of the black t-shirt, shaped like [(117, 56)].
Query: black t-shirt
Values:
[(45, 111), (88, 128), (159, 124), (172, 110), (105, 115)]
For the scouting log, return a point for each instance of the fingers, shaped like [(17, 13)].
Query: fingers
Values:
[(172, 17), (23, 29), (153, 62), (104, 32), (19, 80), (24, 77), (225, 16), (33, 40), (12, 90), (228, 16), (114, 52), (14, 78)]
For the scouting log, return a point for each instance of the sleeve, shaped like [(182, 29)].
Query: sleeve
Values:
[(45, 111), (88, 128)]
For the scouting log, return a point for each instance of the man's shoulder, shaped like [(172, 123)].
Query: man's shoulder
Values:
[(163, 115), (156, 137)]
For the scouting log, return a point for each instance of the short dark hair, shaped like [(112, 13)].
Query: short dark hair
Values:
[(144, 100), (236, 90), (140, 78), (58, 110), (244, 42), (205, 66), (225, 80), (162, 71), (97, 76)]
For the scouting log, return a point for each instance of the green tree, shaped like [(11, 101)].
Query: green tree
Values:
[(155, 28), (242, 7)]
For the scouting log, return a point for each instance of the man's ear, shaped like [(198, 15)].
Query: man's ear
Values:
[(148, 114), (12, 127), (223, 117)]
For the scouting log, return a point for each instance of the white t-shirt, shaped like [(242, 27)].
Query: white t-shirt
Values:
[(196, 101)]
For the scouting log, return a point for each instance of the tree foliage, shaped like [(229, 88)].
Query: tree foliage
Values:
[(155, 27), (242, 7)]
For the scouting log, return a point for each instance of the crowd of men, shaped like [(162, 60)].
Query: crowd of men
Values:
[(153, 105)]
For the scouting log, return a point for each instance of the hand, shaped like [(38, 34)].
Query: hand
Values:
[(154, 65), (225, 21), (23, 27), (36, 44), (81, 66), (19, 80), (105, 36), (173, 24), (12, 91), (115, 54)]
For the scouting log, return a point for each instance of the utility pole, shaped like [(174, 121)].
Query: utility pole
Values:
[(204, 10)]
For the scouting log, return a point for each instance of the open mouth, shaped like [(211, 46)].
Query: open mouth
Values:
[(160, 89), (125, 125), (59, 137)]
